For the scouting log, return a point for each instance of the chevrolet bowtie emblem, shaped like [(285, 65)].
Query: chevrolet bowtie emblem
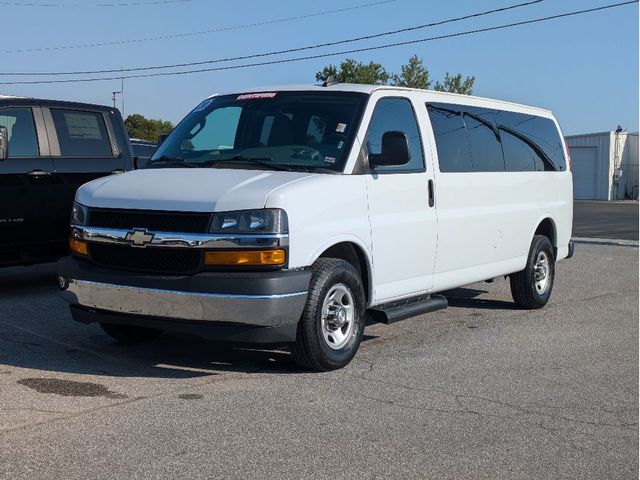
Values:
[(139, 238)]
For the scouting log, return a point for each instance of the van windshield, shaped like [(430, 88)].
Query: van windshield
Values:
[(296, 131)]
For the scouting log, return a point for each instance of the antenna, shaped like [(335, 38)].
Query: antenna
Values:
[(330, 81), (115, 98)]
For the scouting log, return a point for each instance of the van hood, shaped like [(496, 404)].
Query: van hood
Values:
[(186, 189)]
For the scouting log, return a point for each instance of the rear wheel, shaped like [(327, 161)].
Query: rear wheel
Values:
[(333, 320), (531, 288), (130, 334)]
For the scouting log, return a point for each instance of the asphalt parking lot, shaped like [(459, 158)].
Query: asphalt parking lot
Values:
[(480, 390), (617, 220)]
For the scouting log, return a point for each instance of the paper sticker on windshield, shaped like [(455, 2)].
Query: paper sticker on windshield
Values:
[(341, 127), (330, 159), (256, 96), (203, 105)]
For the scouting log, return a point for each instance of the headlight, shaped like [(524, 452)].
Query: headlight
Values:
[(250, 221), (79, 214)]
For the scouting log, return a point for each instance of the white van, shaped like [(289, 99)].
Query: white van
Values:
[(295, 214)]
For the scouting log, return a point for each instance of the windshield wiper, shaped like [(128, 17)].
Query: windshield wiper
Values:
[(164, 160), (263, 162)]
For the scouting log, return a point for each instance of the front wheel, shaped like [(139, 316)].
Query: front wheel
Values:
[(531, 288), (332, 323)]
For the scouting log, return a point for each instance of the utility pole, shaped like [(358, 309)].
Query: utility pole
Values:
[(115, 98)]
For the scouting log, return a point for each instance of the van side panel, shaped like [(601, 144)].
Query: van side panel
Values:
[(487, 219)]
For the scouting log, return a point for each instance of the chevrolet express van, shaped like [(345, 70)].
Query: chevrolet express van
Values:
[(295, 214), (48, 148)]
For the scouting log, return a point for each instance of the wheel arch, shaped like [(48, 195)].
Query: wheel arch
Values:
[(357, 255), (547, 227)]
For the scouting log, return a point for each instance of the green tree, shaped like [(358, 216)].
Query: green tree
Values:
[(352, 71), (455, 84), (144, 128), (414, 74)]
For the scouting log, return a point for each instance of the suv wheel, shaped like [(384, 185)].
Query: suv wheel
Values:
[(531, 288), (333, 320)]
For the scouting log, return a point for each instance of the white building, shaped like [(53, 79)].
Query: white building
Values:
[(605, 165)]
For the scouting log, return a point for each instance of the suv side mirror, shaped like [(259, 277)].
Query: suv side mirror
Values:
[(4, 143), (395, 151)]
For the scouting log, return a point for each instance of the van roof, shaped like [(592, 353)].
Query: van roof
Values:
[(369, 89)]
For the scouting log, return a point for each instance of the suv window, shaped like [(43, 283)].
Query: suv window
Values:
[(23, 141), (450, 134), (484, 140), (81, 133), (537, 136), (395, 114)]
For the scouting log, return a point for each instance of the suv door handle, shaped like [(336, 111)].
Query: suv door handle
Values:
[(39, 173), (116, 171), (432, 200)]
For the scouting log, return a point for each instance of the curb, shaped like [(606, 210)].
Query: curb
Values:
[(606, 241)]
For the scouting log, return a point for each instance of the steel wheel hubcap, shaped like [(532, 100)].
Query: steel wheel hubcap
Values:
[(542, 272), (338, 314)]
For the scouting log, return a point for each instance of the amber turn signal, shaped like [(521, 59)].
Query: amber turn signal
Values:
[(245, 257), (78, 246)]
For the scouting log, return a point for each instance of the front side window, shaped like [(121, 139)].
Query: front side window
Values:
[(395, 115), (23, 141), (298, 131), (81, 134)]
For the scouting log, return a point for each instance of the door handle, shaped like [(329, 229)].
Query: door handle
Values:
[(432, 200), (39, 173), (116, 171)]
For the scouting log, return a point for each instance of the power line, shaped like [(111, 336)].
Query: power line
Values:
[(333, 54), (277, 52), (203, 32), (77, 5)]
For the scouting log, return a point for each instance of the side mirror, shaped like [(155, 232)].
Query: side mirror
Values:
[(162, 138), (395, 151), (4, 143)]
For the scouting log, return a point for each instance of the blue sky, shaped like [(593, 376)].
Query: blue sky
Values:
[(584, 68)]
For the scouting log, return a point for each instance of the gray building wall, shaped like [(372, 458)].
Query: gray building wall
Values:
[(605, 145)]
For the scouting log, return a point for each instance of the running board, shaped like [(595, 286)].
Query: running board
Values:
[(395, 311)]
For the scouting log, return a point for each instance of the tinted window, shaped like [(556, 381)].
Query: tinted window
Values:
[(81, 134), (451, 138), (539, 135), (395, 115), (23, 141), (484, 140)]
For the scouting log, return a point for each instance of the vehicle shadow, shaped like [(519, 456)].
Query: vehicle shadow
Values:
[(468, 298), (28, 279)]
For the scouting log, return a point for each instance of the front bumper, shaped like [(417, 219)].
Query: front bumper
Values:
[(255, 299)]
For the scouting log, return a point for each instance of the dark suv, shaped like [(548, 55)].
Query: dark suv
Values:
[(47, 150)]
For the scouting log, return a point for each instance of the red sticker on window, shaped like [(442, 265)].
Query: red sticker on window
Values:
[(256, 96)]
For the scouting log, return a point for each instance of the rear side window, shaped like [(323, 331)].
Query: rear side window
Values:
[(494, 140), (536, 135), (395, 115), (452, 143), (23, 141), (484, 140), (81, 134)]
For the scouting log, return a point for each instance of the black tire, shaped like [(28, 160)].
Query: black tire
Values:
[(524, 291), (130, 334), (311, 350)]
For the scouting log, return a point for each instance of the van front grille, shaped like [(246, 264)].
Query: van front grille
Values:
[(155, 260), (185, 222)]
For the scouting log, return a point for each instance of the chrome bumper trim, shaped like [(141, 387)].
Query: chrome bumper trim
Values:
[(257, 310), (178, 240)]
